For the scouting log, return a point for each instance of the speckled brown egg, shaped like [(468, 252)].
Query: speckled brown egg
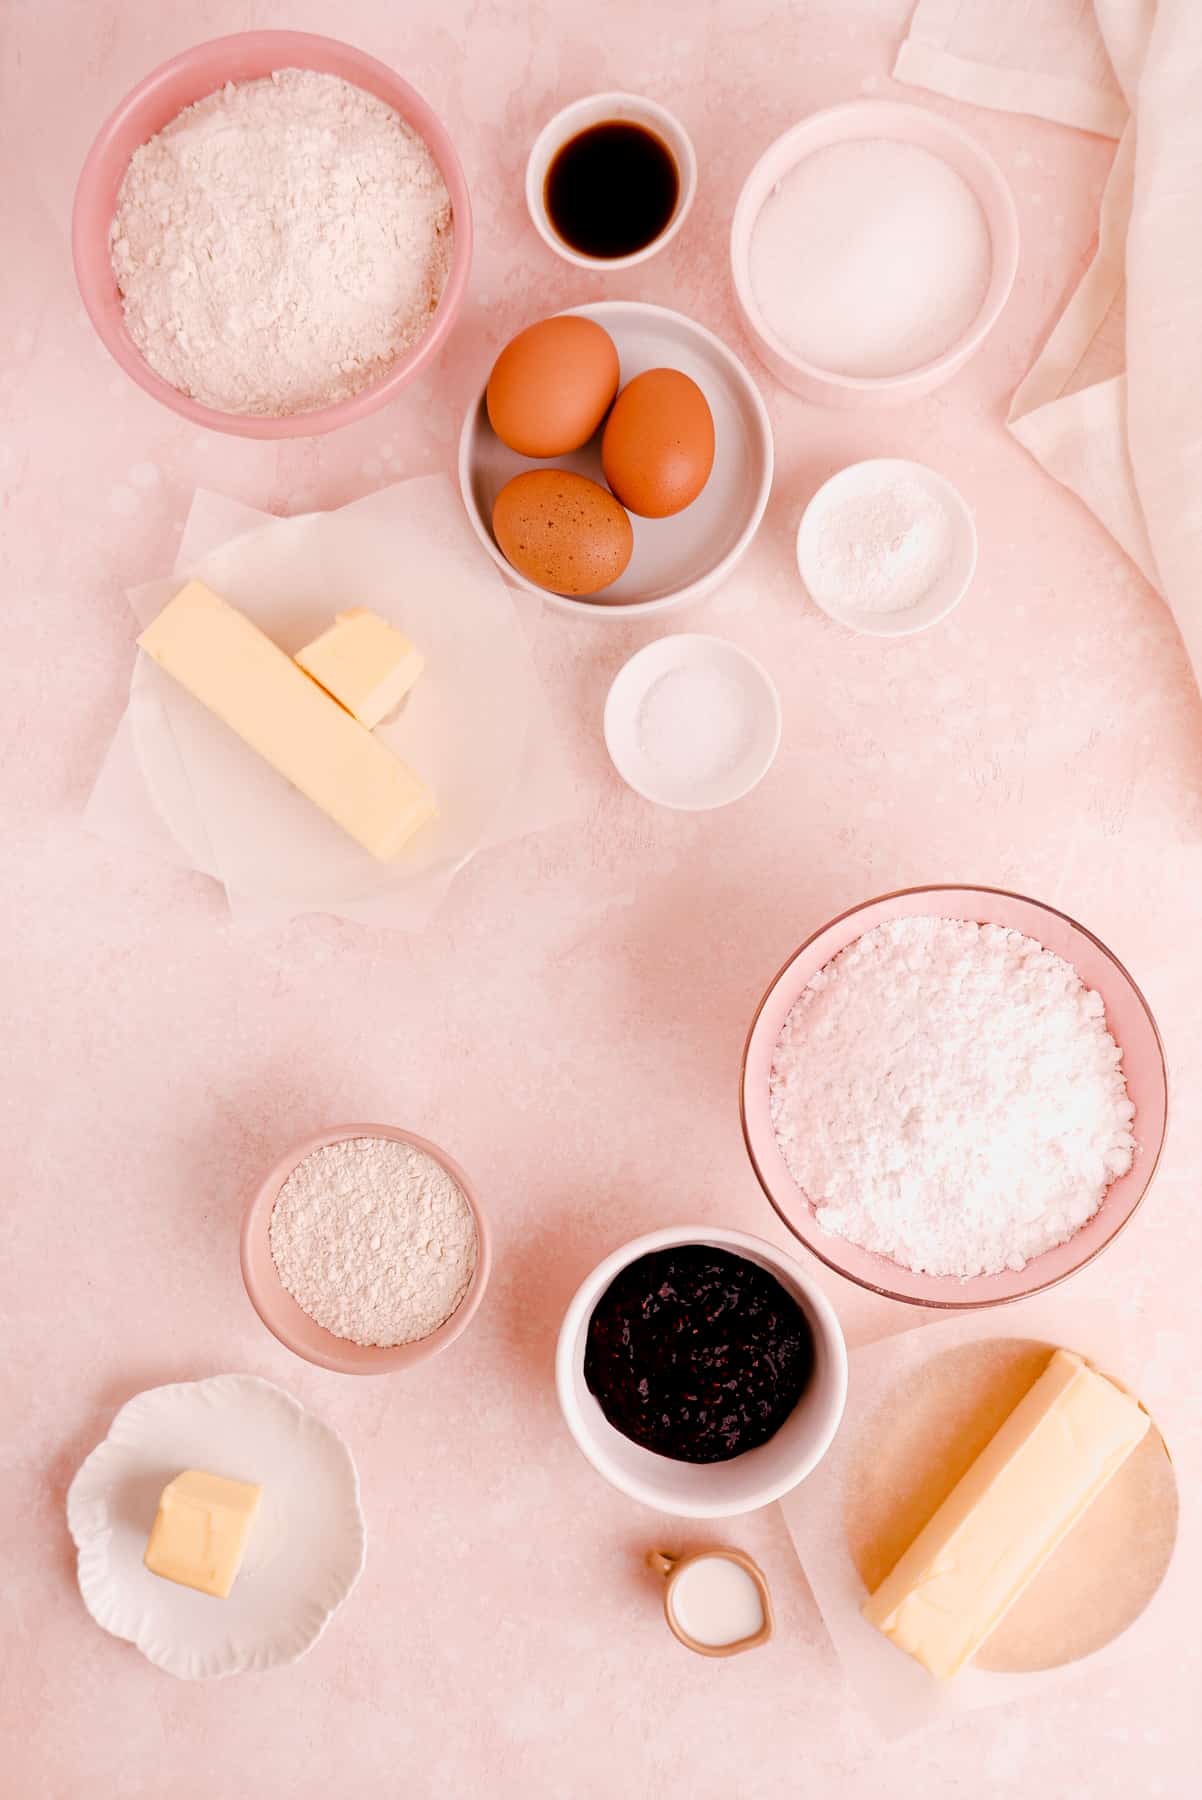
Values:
[(552, 386), (562, 531), (658, 447)]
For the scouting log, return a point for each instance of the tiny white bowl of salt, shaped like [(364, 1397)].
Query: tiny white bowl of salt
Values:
[(887, 547), (692, 722)]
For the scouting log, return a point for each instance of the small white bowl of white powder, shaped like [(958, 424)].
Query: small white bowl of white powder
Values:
[(887, 547), (692, 722), (364, 1250)]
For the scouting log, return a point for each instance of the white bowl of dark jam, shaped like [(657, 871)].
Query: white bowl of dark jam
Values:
[(701, 1371)]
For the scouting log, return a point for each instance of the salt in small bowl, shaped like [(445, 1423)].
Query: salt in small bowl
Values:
[(694, 775), (947, 591)]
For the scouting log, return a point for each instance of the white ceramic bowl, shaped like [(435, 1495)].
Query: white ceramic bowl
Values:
[(601, 109), (701, 788), (907, 124), (707, 1490), (678, 559), (942, 597)]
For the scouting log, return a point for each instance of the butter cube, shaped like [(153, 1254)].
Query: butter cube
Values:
[(365, 663), (223, 659), (201, 1530), (1026, 1490)]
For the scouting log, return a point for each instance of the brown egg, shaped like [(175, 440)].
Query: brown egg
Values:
[(658, 447), (562, 531), (552, 386)]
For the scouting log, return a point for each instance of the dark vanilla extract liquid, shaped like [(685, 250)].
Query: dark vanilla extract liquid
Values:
[(611, 189)]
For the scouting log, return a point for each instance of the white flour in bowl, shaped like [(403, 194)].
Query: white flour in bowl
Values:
[(280, 243), (374, 1240), (948, 1095)]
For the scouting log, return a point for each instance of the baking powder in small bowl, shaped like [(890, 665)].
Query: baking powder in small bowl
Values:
[(887, 547)]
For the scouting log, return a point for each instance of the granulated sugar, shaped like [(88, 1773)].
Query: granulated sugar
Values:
[(870, 258), (694, 724), (948, 1095), (882, 549), (374, 1240), (280, 243)]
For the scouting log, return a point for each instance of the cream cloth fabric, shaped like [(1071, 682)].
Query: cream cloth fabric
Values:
[(1113, 405)]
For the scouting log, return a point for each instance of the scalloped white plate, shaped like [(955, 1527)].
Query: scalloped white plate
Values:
[(306, 1550)]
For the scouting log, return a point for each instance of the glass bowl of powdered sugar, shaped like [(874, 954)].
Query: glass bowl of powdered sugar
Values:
[(954, 1096), (364, 1250), (272, 234)]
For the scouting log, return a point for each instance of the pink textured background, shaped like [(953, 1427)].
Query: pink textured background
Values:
[(571, 1027)]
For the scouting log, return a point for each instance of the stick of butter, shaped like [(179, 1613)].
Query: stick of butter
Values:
[(365, 663), (1031, 1483), (200, 1531), (253, 687)]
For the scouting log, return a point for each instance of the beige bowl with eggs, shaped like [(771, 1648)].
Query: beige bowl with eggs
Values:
[(678, 559)]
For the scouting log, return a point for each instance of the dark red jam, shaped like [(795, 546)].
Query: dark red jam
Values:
[(697, 1354)]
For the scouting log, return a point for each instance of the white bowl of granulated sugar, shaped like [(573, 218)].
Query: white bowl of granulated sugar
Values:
[(887, 547), (364, 1250)]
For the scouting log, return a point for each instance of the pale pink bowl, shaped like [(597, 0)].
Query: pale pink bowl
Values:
[(248, 56), (907, 124), (1130, 1023), (294, 1328)]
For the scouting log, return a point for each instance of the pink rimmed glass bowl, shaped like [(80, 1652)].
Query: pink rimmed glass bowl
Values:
[(1128, 1018), (292, 1326), (248, 56)]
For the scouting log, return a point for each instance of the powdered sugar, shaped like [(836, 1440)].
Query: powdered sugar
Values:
[(948, 1095), (280, 243), (880, 549), (870, 258), (374, 1240)]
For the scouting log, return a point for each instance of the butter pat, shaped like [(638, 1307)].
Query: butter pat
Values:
[(365, 663), (201, 1530), (247, 681), (1037, 1475)]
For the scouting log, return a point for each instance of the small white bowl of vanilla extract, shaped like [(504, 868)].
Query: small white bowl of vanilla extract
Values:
[(610, 181)]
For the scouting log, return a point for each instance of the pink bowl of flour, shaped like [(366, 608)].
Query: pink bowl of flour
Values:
[(921, 230), (288, 1322), (1128, 1019), (191, 76)]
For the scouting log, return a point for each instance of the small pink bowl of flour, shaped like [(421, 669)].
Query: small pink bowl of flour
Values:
[(872, 249), (376, 1230), (1072, 983), (195, 76)]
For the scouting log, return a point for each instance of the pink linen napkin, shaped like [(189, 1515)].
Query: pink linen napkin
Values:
[(1112, 408)]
